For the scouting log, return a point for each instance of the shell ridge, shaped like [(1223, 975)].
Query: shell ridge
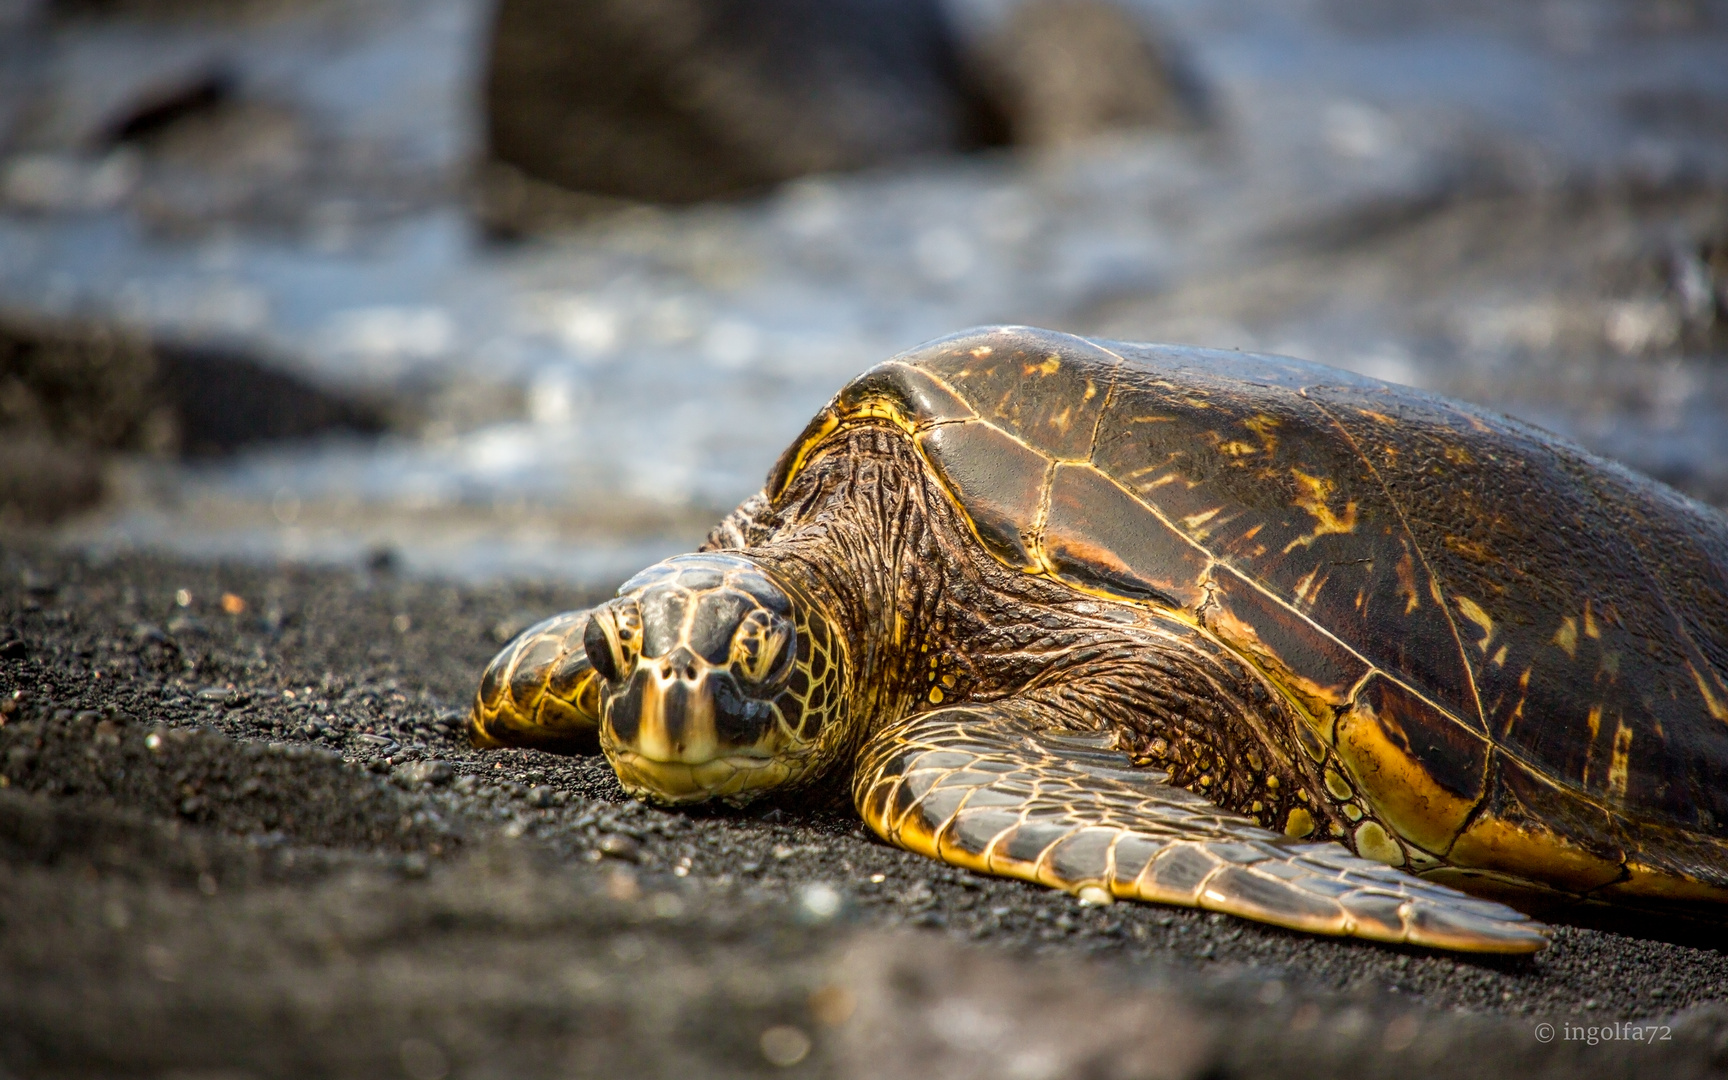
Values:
[(944, 384), (1415, 545), (1109, 397)]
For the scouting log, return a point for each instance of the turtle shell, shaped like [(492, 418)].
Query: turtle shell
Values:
[(1515, 650)]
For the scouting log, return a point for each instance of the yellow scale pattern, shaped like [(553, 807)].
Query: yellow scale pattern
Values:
[(990, 791), (540, 691)]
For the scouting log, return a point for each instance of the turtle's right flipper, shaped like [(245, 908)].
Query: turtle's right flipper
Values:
[(983, 788), (540, 691)]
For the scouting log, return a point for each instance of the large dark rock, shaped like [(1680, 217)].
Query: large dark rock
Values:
[(69, 395), (1062, 71), (74, 393), (223, 400), (682, 100), (87, 384)]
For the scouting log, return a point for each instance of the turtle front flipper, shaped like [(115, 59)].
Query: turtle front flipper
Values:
[(540, 691), (990, 789)]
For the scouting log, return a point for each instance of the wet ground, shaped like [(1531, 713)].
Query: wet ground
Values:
[(240, 835)]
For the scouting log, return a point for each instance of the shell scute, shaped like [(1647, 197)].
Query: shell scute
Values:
[(1589, 602), (996, 481), (1422, 776), (1265, 481), (1530, 821), (1098, 536), (1043, 387), (1308, 664)]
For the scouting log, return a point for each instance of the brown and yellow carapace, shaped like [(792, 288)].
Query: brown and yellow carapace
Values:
[(1180, 625)]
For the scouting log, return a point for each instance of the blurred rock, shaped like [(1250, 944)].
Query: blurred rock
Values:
[(223, 400), (683, 100), (197, 115), (206, 153), (79, 384), (511, 201), (43, 481), (1063, 71), (69, 396), (73, 393)]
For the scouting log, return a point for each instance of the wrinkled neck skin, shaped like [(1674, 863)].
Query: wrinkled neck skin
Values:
[(930, 620)]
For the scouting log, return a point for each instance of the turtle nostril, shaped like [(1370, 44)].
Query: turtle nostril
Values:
[(680, 666)]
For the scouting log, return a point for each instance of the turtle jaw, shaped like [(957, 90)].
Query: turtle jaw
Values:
[(734, 778)]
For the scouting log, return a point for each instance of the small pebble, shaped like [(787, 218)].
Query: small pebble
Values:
[(414, 775), (785, 1045), (619, 846), (819, 902)]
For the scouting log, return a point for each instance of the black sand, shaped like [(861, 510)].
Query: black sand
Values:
[(252, 842)]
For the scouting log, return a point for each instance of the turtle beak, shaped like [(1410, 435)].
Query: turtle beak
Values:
[(692, 666)]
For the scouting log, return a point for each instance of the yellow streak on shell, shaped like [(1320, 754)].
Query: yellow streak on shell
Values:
[(1312, 493), (1567, 637), (1618, 762), (1399, 788), (1491, 843), (1471, 610)]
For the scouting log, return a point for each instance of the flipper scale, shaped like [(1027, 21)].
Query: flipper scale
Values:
[(1069, 813)]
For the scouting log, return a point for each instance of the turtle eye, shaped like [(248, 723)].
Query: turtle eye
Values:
[(613, 639), (762, 649)]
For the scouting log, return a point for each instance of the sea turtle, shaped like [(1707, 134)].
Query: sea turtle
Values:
[(1182, 625)]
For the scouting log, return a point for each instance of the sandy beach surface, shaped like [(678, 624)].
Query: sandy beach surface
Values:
[(241, 834)]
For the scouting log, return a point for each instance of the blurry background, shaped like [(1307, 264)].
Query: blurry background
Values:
[(541, 287)]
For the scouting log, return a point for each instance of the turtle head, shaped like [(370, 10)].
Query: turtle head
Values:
[(718, 680)]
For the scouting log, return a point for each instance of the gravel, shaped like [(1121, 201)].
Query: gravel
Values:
[(240, 830)]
